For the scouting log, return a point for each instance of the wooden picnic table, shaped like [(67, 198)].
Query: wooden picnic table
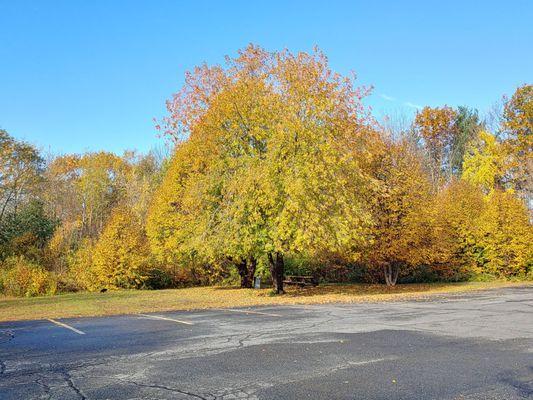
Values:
[(301, 280)]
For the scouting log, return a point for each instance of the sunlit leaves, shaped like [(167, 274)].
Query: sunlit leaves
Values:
[(271, 160)]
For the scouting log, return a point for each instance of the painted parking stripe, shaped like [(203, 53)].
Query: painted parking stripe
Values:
[(251, 312), (166, 319), (66, 326)]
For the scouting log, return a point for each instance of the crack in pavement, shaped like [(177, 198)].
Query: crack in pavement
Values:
[(190, 394), (45, 387), (40, 368), (70, 383), (253, 387)]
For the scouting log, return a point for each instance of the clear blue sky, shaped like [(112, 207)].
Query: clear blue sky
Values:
[(88, 75)]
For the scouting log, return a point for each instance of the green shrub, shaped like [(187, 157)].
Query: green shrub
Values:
[(157, 278), (482, 277)]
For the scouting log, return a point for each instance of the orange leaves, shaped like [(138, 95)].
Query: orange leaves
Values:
[(436, 125), (437, 128), (401, 205), (518, 115)]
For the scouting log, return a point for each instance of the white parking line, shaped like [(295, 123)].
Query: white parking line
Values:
[(251, 312), (66, 326), (166, 319)]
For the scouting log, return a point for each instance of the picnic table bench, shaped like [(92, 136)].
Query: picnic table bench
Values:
[(302, 280)]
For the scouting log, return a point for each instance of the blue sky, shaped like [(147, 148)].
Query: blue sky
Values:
[(87, 75)]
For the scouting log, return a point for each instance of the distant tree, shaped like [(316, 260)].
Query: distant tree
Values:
[(101, 186), (81, 191), (518, 117), (21, 167), (26, 231), (467, 126), (86, 189), (142, 177), (60, 193), (438, 130), (486, 163), (517, 126)]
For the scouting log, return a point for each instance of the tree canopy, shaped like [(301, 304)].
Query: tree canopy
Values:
[(275, 166)]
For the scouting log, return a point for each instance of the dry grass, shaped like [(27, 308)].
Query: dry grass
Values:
[(136, 301)]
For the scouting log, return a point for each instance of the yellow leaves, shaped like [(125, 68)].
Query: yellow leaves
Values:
[(488, 234), (276, 172), (279, 157), (401, 208), (518, 117), (20, 277), (486, 162), (505, 234), (434, 122), (518, 128), (436, 127), (459, 207), (120, 253)]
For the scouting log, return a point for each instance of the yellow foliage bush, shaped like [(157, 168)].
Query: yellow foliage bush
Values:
[(120, 257), (19, 277), (459, 207), (505, 235), (486, 235), (59, 247), (81, 266)]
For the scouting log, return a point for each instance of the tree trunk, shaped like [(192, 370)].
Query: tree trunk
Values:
[(277, 270), (396, 268), (242, 267), (252, 265), (246, 269), (386, 273), (391, 271)]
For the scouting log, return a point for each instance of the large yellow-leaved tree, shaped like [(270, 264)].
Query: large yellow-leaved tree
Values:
[(270, 163)]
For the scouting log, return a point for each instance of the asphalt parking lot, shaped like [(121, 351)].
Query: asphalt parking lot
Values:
[(475, 346)]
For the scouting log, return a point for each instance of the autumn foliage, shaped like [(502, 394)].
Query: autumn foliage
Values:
[(276, 166)]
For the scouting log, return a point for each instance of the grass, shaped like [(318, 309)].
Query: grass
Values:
[(137, 301)]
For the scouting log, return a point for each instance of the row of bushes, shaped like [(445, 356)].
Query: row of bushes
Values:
[(361, 273), (21, 277), (493, 243)]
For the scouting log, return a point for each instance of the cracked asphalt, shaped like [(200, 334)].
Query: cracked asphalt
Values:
[(474, 346)]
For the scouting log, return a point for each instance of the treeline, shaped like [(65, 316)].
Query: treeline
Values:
[(277, 167), (56, 214)]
